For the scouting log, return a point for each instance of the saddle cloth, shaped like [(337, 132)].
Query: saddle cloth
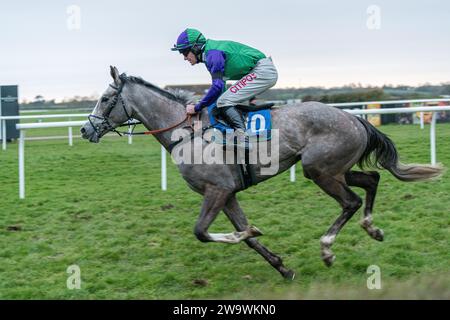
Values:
[(258, 124)]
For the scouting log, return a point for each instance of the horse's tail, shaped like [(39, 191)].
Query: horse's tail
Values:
[(381, 153)]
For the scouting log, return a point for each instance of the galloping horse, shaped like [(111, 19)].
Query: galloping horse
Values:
[(327, 141)]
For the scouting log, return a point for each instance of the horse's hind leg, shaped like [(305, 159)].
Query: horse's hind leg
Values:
[(238, 219), (369, 182), (349, 201)]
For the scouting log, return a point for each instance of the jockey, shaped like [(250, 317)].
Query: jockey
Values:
[(228, 60)]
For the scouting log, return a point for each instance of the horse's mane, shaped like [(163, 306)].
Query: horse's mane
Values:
[(182, 96)]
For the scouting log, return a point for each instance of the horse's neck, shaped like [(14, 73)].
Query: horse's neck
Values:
[(158, 112)]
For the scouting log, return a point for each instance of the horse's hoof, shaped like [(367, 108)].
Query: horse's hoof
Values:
[(328, 259), (289, 275), (254, 231), (378, 235)]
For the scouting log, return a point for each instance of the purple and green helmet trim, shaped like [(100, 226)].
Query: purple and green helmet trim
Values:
[(187, 39)]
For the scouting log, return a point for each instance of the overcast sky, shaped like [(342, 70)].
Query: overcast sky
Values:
[(46, 48)]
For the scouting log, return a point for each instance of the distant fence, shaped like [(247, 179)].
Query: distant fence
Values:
[(70, 135), (55, 110), (400, 117), (43, 116), (365, 103)]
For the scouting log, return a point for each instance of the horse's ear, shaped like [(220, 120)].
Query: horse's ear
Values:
[(115, 75)]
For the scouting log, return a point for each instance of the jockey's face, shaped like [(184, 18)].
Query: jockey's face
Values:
[(191, 58)]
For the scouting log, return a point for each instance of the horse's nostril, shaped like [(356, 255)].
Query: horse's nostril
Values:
[(83, 130)]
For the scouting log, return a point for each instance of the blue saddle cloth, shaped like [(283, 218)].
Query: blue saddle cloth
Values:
[(258, 124)]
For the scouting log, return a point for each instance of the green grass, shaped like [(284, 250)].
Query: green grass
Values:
[(100, 206)]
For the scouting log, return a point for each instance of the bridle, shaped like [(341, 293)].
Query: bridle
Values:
[(107, 126)]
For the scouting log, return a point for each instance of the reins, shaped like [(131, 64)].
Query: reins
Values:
[(187, 118)]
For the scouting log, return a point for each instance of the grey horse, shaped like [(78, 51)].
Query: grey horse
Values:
[(327, 141)]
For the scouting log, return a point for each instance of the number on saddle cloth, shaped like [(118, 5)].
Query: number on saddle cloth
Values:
[(258, 123)]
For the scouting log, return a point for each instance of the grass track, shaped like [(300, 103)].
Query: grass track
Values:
[(100, 207)]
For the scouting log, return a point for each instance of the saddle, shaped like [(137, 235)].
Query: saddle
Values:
[(257, 118), (258, 123)]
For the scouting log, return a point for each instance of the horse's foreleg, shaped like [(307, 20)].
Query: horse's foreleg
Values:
[(238, 219), (350, 203), (213, 202), (237, 236), (369, 182)]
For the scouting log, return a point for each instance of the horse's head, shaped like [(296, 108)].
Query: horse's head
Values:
[(110, 111)]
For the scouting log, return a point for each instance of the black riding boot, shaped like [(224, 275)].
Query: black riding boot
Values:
[(234, 118)]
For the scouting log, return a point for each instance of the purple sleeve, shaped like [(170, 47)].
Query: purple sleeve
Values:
[(212, 95), (215, 63)]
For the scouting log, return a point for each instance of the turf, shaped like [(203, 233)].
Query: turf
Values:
[(100, 206)]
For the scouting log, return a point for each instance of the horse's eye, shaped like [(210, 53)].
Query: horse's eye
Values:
[(104, 99)]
